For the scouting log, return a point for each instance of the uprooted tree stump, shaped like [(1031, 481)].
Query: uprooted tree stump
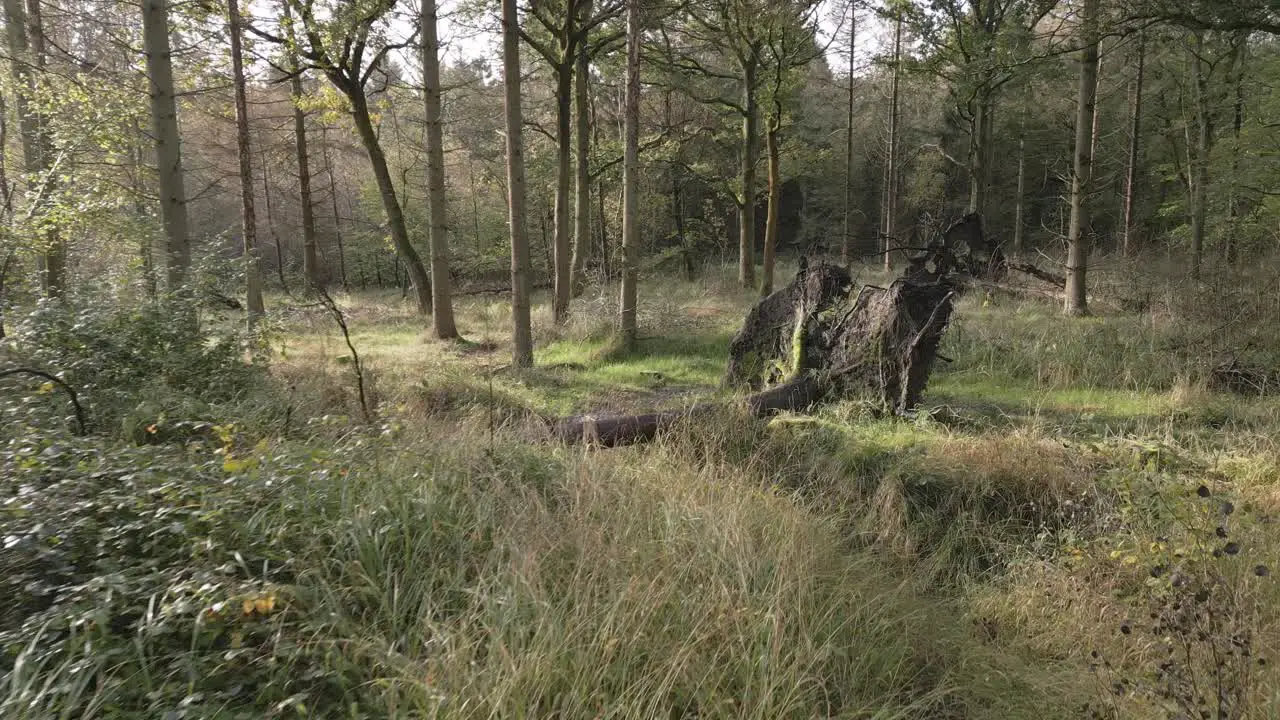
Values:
[(817, 339)]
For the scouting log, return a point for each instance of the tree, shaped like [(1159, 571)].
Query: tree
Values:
[(347, 43), (976, 46), (310, 263), (582, 160), (28, 55), (846, 245), (1135, 139), (630, 180), (1082, 168), (440, 282), (521, 332), (890, 214), (722, 43), (168, 141), (568, 23), (790, 44), (248, 223)]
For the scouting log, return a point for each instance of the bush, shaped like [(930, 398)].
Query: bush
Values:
[(117, 355)]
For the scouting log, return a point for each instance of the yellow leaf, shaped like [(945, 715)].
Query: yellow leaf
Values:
[(46, 388), (265, 604), (247, 606), (237, 640)]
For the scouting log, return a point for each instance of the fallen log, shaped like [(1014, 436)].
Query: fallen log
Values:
[(605, 431), (1039, 273)]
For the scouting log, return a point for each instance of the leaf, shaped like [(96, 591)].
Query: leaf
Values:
[(45, 389)]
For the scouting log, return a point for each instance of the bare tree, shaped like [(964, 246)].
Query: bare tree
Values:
[(521, 331)]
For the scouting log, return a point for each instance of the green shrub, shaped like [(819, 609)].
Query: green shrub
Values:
[(117, 356)]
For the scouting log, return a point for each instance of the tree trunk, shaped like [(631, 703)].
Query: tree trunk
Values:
[(310, 265), (775, 196), (977, 156), (440, 279), (562, 251), (1231, 250), (271, 223), (405, 251), (891, 173), (1135, 140), (630, 180), (582, 185), (1200, 158), (337, 219), (168, 140), (248, 222), (846, 247), (27, 50), (1019, 220), (747, 210), (1077, 257), (522, 334), (145, 250)]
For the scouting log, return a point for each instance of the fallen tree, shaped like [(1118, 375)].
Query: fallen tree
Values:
[(817, 339)]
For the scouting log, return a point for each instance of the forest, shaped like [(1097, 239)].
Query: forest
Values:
[(632, 359)]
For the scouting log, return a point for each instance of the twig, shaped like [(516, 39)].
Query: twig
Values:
[(81, 424), (341, 320)]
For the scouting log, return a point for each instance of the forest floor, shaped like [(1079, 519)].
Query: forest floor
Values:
[(1073, 525), (1060, 494)]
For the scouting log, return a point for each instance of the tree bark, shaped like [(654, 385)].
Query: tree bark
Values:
[(799, 394), (775, 197), (750, 150), (582, 184), (248, 222), (1077, 256), (846, 247), (891, 173), (630, 181), (337, 219), (522, 334), (978, 156), (310, 264), (168, 140), (1019, 220), (271, 224), (442, 302), (405, 251), (562, 250), (1230, 241), (1135, 140), (1200, 157)]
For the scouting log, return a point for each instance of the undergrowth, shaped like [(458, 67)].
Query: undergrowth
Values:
[(1075, 524)]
